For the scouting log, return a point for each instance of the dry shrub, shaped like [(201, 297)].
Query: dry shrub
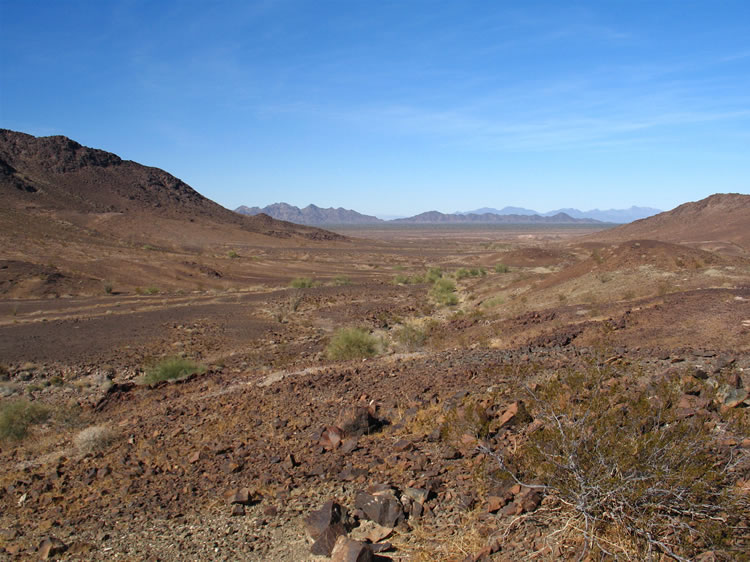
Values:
[(94, 439), (411, 337), (17, 416), (635, 478), (352, 343)]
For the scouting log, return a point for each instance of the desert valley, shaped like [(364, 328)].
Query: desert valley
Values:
[(183, 382)]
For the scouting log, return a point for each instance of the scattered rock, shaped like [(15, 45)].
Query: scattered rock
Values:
[(515, 414), (51, 546), (348, 550), (332, 438), (384, 509)]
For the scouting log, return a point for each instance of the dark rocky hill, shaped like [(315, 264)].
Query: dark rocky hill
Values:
[(57, 174)]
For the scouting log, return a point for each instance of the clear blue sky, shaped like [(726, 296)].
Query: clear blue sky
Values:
[(396, 107)]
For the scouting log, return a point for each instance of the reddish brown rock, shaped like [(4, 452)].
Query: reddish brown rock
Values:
[(332, 438), (357, 420), (51, 546), (319, 520), (324, 543), (385, 510), (241, 496), (515, 413), (348, 550)]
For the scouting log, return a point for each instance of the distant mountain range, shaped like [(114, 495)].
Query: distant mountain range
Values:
[(435, 217), (310, 215), (620, 216), (317, 216)]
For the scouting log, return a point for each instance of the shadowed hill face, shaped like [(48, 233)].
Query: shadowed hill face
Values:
[(719, 222), (58, 174)]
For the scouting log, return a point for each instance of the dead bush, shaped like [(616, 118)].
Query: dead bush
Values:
[(635, 476), (94, 439)]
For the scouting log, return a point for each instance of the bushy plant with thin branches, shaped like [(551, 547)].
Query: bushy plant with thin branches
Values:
[(637, 478)]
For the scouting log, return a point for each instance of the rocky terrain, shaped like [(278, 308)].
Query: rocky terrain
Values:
[(545, 393)]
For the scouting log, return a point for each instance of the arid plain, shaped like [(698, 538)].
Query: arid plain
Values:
[(506, 393)]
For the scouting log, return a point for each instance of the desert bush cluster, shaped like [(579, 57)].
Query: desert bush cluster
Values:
[(352, 343)]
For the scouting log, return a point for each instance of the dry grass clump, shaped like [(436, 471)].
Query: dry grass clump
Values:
[(302, 283), (170, 369), (636, 478), (352, 343), (17, 416), (94, 438), (411, 337)]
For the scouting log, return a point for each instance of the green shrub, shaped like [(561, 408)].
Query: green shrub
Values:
[(171, 368), (462, 273), (501, 268), (17, 416), (302, 283), (433, 274), (108, 288), (152, 290), (401, 279), (232, 255), (341, 280), (352, 343), (444, 292)]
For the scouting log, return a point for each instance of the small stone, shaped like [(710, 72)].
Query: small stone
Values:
[(495, 504), (357, 420), (238, 509), (239, 496), (331, 438), (514, 414), (51, 546), (349, 445)]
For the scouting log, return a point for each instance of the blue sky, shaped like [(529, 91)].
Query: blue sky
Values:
[(396, 107)]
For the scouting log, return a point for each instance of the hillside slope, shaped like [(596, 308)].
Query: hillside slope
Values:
[(720, 222), (57, 175)]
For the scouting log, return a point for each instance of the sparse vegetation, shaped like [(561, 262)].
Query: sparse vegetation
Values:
[(232, 255), (410, 336), (170, 369), (302, 283), (501, 268), (633, 477), (352, 343), (433, 274), (94, 439), (152, 290), (18, 415), (108, 288), (341, 280), (444, 292)]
